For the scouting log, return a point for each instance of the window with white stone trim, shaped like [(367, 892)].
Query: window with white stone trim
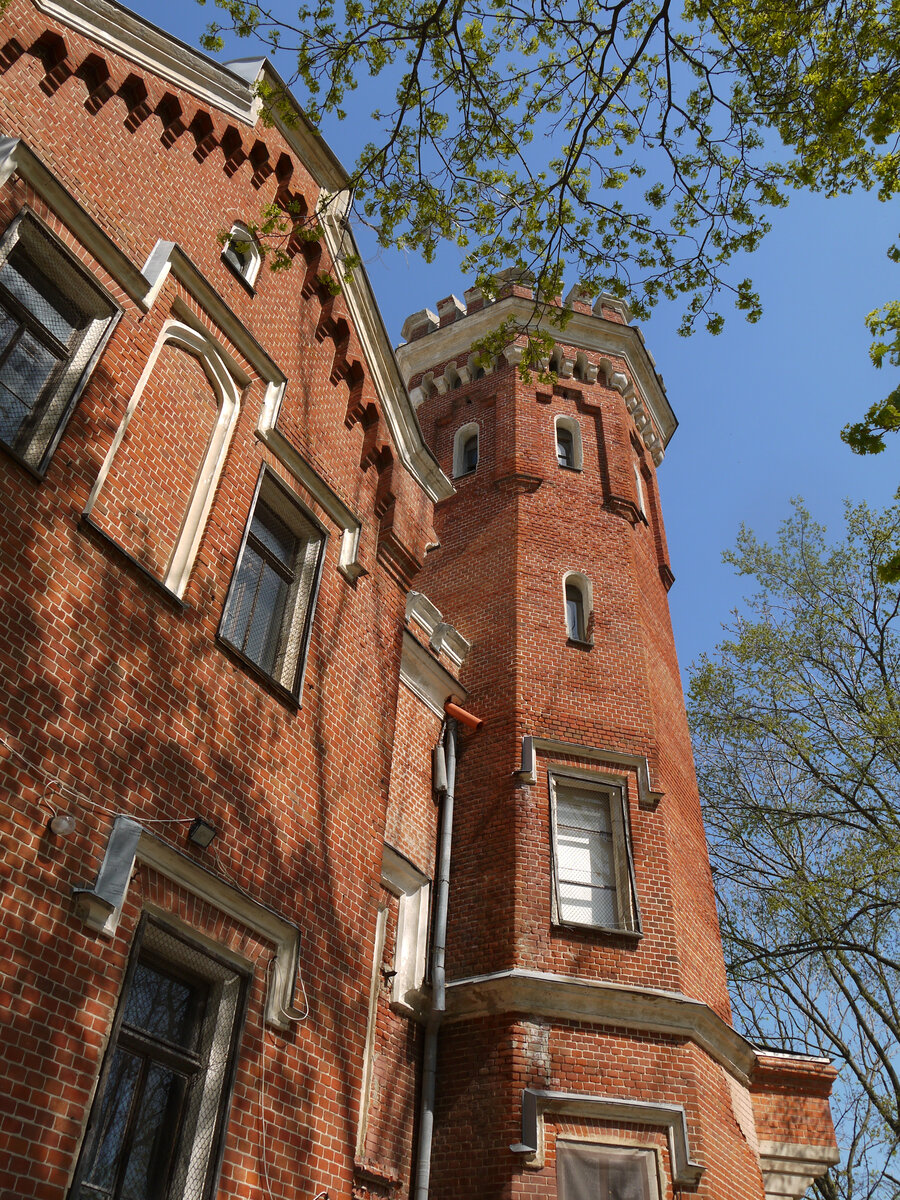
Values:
[(593, 879), (466, 447)]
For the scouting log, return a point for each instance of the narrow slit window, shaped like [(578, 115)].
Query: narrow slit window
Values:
[(465, 450), (576, 625), (565, 446), (470, 453)]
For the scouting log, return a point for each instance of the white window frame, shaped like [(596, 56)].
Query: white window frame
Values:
[(274, 493), (227, 390), (574, 428), (612, 793), (53, 411), (584, 585), (460, 438), (246, 271)]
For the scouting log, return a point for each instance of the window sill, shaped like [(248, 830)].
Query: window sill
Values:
[(242, 280), (278, 690), (93, 531), (630, 935), (466, 474), (574, 470), (581, 643)]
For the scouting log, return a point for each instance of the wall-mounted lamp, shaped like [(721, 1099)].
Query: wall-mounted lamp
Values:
[(62, 824), (201, 833)]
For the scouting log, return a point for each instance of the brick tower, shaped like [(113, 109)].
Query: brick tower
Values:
[(588, 1042)]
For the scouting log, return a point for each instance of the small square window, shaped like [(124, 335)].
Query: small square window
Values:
[(270, 603), (594, 1172), (592, 867), (53, 319), (159, 1116)]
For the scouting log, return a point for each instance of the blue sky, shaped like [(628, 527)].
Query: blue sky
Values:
[(760, 406)]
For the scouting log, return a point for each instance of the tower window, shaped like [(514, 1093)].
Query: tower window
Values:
[(270, 603), (586, 1172), (568, 444), (465, 450), (592, 868), (242, 253), (639, 488), (159, 1115), (577, 593), (52, 321), (575, 624)]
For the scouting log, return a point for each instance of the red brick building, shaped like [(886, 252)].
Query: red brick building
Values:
[(274, 924)]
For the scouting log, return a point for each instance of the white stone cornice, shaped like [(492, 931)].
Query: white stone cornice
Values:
[(600, 1002), (389, 384), (124, 32), (426, 677), (584, 331), (789, 1169)]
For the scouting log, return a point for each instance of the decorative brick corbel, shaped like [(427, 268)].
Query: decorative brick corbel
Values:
[(232, 145), (51, 49), (203, 132), (133, 91), (10, 53), (95, 75), (170, 114)]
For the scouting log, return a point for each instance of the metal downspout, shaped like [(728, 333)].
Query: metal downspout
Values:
[(438, 976)]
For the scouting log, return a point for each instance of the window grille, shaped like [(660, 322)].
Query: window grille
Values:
[(592, 866), (161, 1105), (53, 319)]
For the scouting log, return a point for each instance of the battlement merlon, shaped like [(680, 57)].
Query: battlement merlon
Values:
[(434, 338)]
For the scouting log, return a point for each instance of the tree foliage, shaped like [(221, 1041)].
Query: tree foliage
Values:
[(796, 722)]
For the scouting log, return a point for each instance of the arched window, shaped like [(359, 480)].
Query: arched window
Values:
[(465, 450), (577, 594), (242, 254), (639, 487), (568, 444)]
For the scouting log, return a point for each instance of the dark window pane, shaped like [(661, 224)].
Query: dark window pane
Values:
[(156, 1122), (113, 1124), (470, 453), (274, 535), (565, 448), (162, 1006), (574, 613), (24, 374), (267, 620), (35, 291)]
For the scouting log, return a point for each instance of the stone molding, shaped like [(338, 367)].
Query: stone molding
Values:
[(789, 1169), (426, 677), (598, 1002), (647, 797), (100, 906), (442, 637), (536, 1102)]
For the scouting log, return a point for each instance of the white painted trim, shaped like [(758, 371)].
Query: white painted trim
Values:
[(426, 677), (671, 1117), (240, 233), (130, 843), (385, 373), (647, 797), (413, 890), (574, 427), (362, 1126), (228, 398), (789, 1169), (586, 588), (596, 1001), (125, 33), (442, 637)]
